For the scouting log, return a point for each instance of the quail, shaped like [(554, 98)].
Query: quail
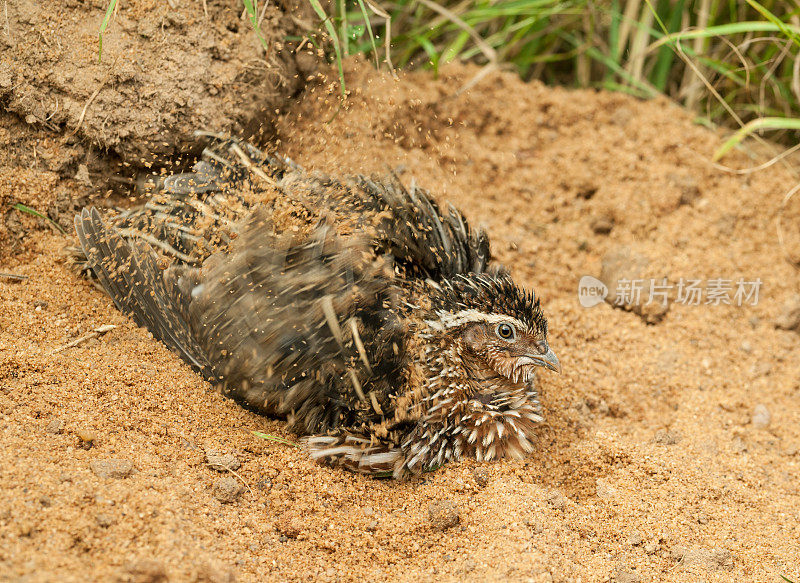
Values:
[(382, 330)]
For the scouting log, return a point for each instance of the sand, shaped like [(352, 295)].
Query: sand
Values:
[(670, 451)]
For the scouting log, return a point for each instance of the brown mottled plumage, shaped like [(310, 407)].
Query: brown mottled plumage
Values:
[(381, 332)]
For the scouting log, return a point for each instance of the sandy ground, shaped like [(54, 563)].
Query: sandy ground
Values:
[(671, 451)]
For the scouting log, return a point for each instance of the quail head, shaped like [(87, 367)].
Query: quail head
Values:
[(381, 330)]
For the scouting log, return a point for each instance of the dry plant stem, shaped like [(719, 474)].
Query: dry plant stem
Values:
[(388, 40), (485, 70), (8, 25), (763, 166), (94, 334), (639, 46), (705, 81), (796, 77), (235, 473), (631, 15), (693, 94), (487, 51), (770, 72), (779, 226), (263, 13)]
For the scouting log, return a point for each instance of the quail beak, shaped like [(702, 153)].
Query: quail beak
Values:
[(547, 360)]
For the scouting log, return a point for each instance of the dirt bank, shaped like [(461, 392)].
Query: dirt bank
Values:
[(165, 72)]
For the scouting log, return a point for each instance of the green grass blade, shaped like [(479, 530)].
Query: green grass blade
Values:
[(26, 209), (613, 34), (734, 28), (776, 21), (365, 15), (252, 14), (103, 26), (665, 60), (763, 123), (431, 52), (455, 48), (275, 438)]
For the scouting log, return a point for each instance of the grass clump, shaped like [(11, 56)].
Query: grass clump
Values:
[(730, 62)]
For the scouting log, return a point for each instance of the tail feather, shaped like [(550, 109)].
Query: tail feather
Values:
[(357, 454), (129, 274)]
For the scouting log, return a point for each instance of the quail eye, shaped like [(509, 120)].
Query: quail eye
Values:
[(506, 331)]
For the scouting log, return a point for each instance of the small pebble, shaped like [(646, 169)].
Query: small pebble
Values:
[(227, 489), (208, 573), (104, 520), (761, 417), (86, 437), (288, 527), (586, 190), (557, 500), (481, 476), (443, 514), (605, 491), (222, 462), (624, 576), (534, 525), (635, 539), (602, 225), (25, 528), (112, 468), (690, 191), (146, 571), (667, 437), (789, 318), (54, 426), (738, 445), (722, 557)]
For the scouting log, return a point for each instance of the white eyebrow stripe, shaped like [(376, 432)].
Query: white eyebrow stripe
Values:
[(448, 320)]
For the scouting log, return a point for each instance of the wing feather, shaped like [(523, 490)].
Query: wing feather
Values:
[(258, 319)]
